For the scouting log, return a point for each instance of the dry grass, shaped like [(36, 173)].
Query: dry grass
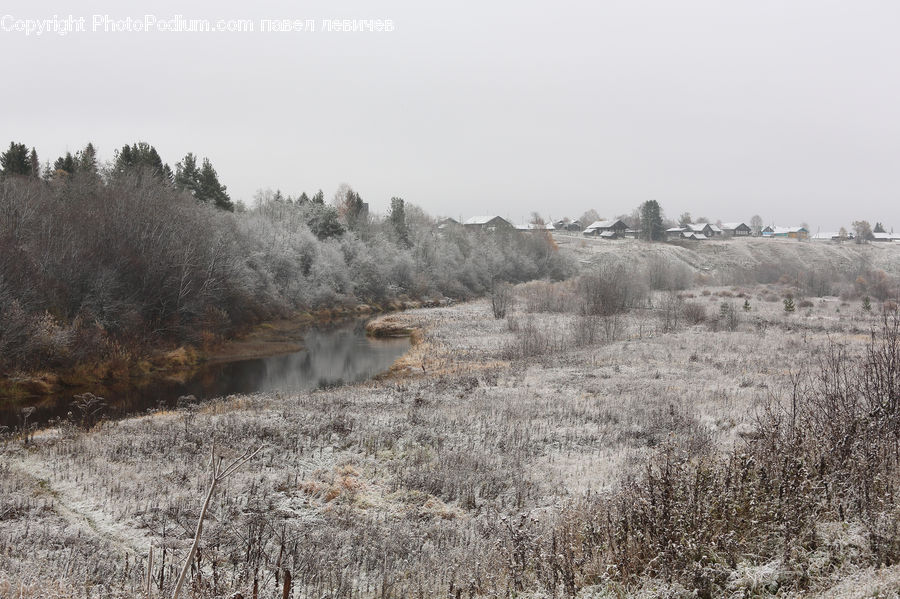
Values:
[(414, 484)]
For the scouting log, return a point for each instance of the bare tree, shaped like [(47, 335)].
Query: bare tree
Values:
[(756, 225)]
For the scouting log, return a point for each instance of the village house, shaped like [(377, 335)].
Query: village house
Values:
[(675, 233), (884, 237), (695, 231), (679, 233), (736, 230), (705, 229), (834, 236), (447, 223), (488, 223), (606, 229), (568, 225), (786, 232)]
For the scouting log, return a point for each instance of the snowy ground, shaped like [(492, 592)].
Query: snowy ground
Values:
[(400, 485)]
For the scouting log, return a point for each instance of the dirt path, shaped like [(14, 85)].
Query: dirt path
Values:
[(76, 505)]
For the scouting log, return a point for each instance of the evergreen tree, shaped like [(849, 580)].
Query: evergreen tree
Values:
[(187, 175), (64, 165), (34, 164), (398, 221), (211, 190), (323, 221), (879, 228), (87, 159), (15, 161), (319, 197), (141, 155), (789, 303), (303, 199), (651, 221)]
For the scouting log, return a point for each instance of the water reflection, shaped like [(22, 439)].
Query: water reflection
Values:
[(332, 355)]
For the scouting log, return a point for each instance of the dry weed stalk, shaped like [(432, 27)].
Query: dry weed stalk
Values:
[(218, 474)]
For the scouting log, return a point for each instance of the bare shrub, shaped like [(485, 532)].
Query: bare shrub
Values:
[(586, 330), (609, 290), (666, 274), (812, 459), (670, 311), (533, 340), (502, 299), (729, 317), (544, 296), (694, 312)]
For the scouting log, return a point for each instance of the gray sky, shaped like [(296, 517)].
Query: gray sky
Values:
[(785, 108)]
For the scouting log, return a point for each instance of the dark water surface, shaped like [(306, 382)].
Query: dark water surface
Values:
[(332, 355)]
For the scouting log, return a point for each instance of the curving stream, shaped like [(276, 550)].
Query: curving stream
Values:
[(333, 354)]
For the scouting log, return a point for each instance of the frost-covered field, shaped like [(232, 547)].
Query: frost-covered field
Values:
[(418, 484)]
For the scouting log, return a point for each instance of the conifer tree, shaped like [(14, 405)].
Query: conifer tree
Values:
[(187, 175), (141, 155), (651, 221), (87, 159), (35, 164), (65, 164), (211, 190), (15, 161), (789, 303), (398, 221)]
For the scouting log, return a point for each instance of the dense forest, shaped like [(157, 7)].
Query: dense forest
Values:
[(103, 261)]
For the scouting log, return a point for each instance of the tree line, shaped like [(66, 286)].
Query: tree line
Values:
[(110, 260)]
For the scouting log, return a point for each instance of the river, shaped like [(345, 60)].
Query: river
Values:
[(333, 354)]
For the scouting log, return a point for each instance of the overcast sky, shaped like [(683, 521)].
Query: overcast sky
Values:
[(788, 109)]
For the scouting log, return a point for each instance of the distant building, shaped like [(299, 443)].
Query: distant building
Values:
[(447, 223), (687, 232), (736, 230), (831, 236), (675, 233), (694, 231), (487, 223), (786, 232), (705, 229), (884, 237), (535, 227), (607, 229)]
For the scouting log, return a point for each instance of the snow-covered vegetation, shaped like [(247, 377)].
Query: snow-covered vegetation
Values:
[(742, 454), (659, 421), (96, 268)]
